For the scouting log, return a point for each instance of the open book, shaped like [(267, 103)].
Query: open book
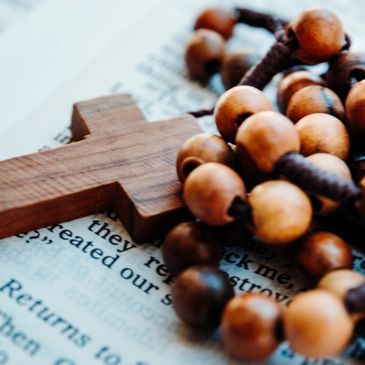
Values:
[(59, 304)]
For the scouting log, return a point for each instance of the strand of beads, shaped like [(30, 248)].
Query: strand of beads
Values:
[(314, 36), (275, 176), (317, 323)]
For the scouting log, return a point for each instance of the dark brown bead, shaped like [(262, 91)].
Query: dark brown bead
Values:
[(320, 132), (355, 113), (317, 324), (218, 20), (189, 244), (235, 105), (202, 148), (204, 54), (199, 295), (322, 252), (280, 211), (292, 83), (210, 190), (319, 34), (235, 65), (344, 71), (250, 326), (265, 137), (314, 99)]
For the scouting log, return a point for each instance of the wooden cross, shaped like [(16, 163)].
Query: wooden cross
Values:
[(118, 162)]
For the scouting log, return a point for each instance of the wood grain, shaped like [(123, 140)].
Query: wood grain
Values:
[(118, 161)]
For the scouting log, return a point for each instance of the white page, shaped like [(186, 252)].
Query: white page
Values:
[(13, 11), (114, 313), (49, 48)]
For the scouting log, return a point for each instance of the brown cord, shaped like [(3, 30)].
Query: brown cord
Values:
[(347, 44), (346, 223), (314, 180), (259, 75), (273, 62), (355, 299), (259, 19), (202, 113), (240, 209)]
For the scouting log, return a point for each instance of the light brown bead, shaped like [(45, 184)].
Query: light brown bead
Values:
[(235, 106), (281, 212), (219, 20), (339, 282), (320, 132), (319, 33), (235, 65), (344, 70), (189, 244), (265, 137), (204, 54), (292, 83), (314, 99), (322, 252), (355, 113), (202, 148), (330, 163), (199, 295), (250, 326), (210, 191), (317, 324)]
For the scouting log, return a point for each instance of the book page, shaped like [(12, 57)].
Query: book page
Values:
[(12, 11), (70, 307), (50, 47)]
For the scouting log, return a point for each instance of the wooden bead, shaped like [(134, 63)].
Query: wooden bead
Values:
[(292, 83), (330, 163), (355, 113), (204, 54), (344, 70), (250, 326), (265, 137), (202, 148), (317, 324), (199, 295), (235, 65), (322, 252), (281, 212), (235, 106), (189, 244), (339, 282), (210, 191), (218, 20), (319, 34), (314, 99), (320, 132)]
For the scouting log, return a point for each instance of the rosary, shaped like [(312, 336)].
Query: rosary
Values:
[(288, 178), (294, 164)]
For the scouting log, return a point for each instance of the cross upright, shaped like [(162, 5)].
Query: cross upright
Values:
[(118, 161)]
